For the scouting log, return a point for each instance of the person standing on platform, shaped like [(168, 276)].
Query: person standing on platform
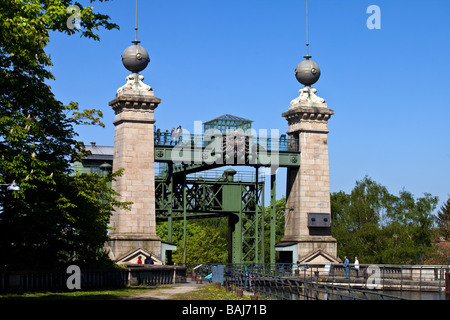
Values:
[(346, 265), (357, 267), (173, 137)]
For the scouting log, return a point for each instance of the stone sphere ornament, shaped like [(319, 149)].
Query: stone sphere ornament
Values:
[(307, 72), (135, 58)]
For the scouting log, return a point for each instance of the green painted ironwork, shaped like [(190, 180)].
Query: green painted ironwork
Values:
[(228, 123), (185, 191), (195, 162), (241, 201)]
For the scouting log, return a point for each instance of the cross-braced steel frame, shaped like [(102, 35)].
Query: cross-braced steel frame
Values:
[(180, 197)]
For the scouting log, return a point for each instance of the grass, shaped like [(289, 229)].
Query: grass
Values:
[(79, 295), (207, 292)]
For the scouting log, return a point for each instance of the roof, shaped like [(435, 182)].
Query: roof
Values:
[(319, 256), (100, 152), (229, 117), (105, 150), (285, 244)]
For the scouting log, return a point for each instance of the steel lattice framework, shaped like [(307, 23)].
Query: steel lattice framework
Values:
[(180, 198)]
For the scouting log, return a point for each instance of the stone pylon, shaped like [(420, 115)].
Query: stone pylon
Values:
[(308, 211), (134, 229)]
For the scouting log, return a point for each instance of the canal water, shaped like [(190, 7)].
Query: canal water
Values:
[(415, 295)]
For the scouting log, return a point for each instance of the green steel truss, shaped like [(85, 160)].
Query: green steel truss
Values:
[(179, 197)]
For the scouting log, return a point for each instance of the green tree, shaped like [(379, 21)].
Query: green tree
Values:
[(443, 220), (356, 218), (43, 221), (205, 240), (68, 225), (379, 227), (415, 220), (280, 206)]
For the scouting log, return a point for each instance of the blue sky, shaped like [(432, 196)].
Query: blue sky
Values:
[(389, 88)]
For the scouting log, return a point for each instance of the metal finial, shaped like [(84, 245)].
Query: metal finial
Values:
[(307, 37), (135, 58), (136, 26), (307, 71)]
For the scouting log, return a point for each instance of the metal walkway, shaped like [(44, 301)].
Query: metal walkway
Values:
[(283, 143), (202, 152)]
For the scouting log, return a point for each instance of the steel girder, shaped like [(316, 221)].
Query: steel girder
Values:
[(242, 202)]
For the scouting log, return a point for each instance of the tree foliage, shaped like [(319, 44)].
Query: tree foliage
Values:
[(379, 227), (206, 240), (369, 222), (64, 224), (443, 220), (280, 206), (55, 217)]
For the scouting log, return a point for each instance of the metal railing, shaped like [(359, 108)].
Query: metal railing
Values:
[(389, 277), (282, 288), (283, 143), (315, 281), (56, 280), (211, 175), (151, 277)]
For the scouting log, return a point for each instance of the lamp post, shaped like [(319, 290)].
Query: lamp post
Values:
[(11, 187), (105, 168)]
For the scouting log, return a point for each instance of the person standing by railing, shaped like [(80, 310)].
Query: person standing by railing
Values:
[(356, 267), (158, 136), (179, 134), (346, 265), (166, 137), (173, 137), (148, 260)]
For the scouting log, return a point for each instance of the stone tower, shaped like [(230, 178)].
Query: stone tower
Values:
[(134, 107), (308, 212)]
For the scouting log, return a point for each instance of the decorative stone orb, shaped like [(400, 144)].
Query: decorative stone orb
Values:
[(307, 72), (135, 58)]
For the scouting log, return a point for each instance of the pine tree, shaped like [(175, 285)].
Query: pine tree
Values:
[(443, 220)]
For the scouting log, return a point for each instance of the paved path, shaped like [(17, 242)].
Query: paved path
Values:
[(165, 293)]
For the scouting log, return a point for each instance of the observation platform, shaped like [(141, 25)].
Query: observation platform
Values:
[(215, 150)]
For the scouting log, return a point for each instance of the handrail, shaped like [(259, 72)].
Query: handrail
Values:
[(296, 289), (304, 277), (201, 264), (281, 143)]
